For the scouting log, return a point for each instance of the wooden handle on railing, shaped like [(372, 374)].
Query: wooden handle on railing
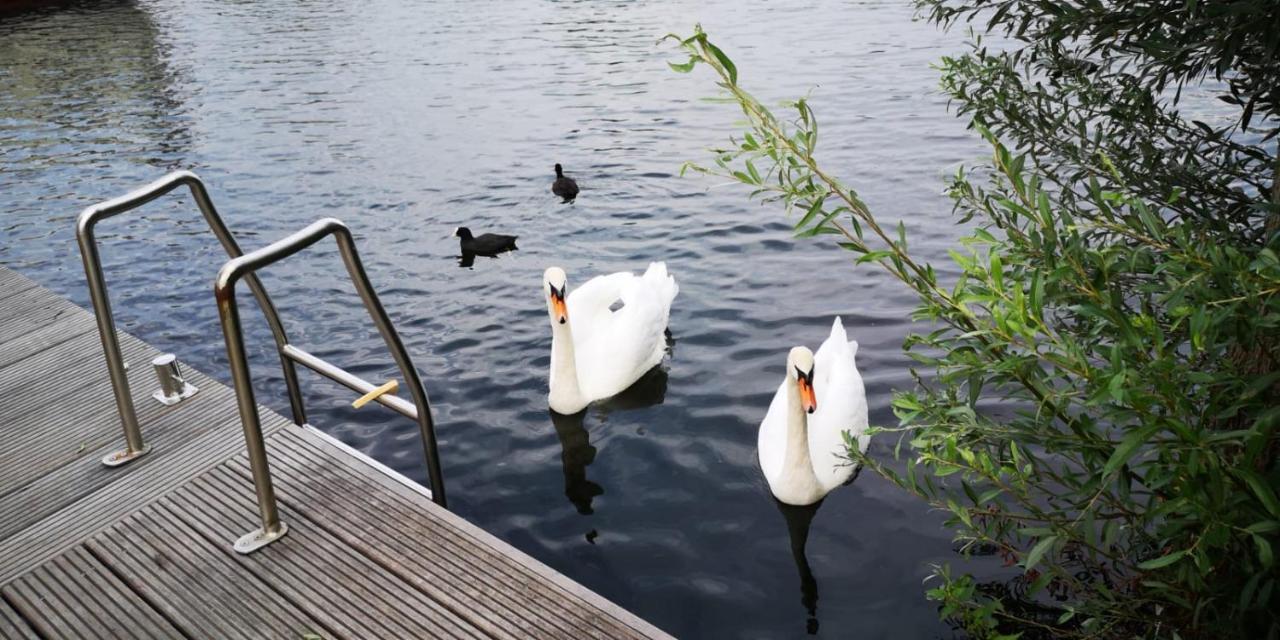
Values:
[(390, 386)]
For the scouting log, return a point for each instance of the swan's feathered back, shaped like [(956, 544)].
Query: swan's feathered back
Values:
[(612, 348)]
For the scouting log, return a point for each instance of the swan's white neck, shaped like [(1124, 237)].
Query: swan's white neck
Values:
[(797, 483), (565, 397)]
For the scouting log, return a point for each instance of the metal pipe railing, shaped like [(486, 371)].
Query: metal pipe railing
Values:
[(85, 223), (225, 292), (353, 382)]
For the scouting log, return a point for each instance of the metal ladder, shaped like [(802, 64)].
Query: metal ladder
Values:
[(244, 267)]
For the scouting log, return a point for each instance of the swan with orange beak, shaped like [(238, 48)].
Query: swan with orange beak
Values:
[(801, 441), (599, 348)]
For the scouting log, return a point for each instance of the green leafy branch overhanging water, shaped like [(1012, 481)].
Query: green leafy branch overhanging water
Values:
[(1087, 414)]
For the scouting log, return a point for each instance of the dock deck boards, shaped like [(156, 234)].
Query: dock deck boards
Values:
[(145, 550)]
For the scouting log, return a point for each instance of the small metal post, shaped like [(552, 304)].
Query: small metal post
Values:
[(173, 387)]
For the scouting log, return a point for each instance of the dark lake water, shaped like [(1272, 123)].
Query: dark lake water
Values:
[(408, 119)]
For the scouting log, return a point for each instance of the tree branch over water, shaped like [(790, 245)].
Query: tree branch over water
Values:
[(1106, 293)]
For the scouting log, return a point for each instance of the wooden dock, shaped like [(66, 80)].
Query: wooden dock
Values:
[(145, 550)]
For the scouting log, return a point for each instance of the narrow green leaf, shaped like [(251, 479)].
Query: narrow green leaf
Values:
[(685, 67), (1264, 551), (724, 60), (1128, 447), (1265, 526), (1038, 551), (1162, 561), (1260, 489), (814, 209)]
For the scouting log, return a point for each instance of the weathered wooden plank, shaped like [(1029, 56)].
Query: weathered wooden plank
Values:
[(331, 582), (454, 579), (32, 545), (12, 282), (170, 429), (71, 419), (199, 588), (75, 596), (12, 625), (62, 412), (46, 337), (12, 277), (28, 310)]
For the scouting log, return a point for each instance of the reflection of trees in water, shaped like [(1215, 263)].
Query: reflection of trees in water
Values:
[(577, 453), (86, 83)]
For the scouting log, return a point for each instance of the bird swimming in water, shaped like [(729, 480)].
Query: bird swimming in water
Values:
[(485, 244), (564, 187), (598, 351), (801, 445)]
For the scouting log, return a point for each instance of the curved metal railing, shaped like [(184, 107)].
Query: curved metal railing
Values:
[(245, 267), (85, 223)]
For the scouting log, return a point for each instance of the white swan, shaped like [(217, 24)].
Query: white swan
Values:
[(597, 352), (801, 448)]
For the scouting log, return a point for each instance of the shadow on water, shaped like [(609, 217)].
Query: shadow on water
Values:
[(650, 390), (798, 520), (577, 453), (468, 258), (16, 7)]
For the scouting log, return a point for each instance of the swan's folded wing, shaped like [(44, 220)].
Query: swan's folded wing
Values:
[(662, 284), (624, 344), (842, 406), (600, 291), (589, 304)]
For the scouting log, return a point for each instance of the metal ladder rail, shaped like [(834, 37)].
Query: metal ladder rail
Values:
[(85, 223), (225, 292)]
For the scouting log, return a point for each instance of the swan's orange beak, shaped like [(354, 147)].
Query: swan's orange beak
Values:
[(558, 308), (808, 399)]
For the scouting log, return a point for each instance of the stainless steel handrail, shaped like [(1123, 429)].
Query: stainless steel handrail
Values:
[(134, 445), (225, 291)]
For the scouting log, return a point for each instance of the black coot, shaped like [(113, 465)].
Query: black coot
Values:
[(564, 187), (485, 244)]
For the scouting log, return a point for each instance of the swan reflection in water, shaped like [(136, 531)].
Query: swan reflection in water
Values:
[(798, 520), (577, 453)]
